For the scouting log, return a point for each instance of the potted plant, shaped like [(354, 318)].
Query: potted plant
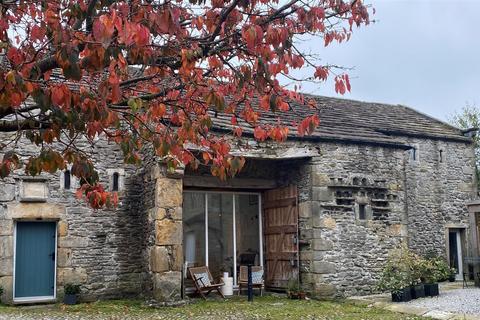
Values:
[(397, 275), (436, 269), (417, 265), (293, 289), (452, 275), (71, 292)]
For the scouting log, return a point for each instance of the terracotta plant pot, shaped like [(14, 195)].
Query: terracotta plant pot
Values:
[(302, 295)]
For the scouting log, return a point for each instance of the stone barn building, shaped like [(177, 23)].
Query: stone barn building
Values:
[(325, 208)]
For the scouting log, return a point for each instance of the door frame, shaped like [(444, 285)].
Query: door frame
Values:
[(460, 234), (260, 224), (39, 298)]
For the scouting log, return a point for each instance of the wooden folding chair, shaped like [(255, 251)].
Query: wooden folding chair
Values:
[(203, 280), (243, 279)]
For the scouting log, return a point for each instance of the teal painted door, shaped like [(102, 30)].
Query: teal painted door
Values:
[(35, 259)]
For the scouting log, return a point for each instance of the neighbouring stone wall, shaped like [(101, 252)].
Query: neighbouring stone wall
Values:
[(441, 181), (344, 254), (162, 203), (103, 250)]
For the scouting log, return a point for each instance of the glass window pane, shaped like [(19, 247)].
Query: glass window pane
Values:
[(194, 228), (247, 224), (220, 234)]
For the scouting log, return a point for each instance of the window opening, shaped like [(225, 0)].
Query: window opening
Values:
[(116, 178), (67, 180), (362, 215)]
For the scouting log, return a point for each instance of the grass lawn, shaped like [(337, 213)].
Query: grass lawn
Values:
[(235, 308)]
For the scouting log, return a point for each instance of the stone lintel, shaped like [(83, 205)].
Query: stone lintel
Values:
[(34, 211)]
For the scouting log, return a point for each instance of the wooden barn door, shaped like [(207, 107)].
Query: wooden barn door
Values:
[(280, 221)]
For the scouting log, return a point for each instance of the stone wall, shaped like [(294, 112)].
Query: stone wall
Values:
[(441, 180), (103, 250), (345, 254), (136, 249)]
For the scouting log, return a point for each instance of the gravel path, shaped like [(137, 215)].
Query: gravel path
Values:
[(457, 301)]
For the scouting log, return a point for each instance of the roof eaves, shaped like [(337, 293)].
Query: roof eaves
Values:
[(346, 140), (400, 133)]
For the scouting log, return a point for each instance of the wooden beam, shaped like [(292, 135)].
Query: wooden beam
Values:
[(235, 183)]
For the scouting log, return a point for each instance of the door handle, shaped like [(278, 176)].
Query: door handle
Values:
[(52, 255)]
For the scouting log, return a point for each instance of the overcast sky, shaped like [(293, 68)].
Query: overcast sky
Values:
[(420, 53)]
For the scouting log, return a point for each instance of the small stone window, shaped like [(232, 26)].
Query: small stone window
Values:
[(414, 153), (440, 155), (362, 212), (116, 179), (67, 180)]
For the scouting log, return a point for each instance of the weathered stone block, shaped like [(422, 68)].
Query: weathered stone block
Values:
[(159, 259), (6, 266), (7, 284), (7, 192), (306, 255), (64, 257), (35, 211), (168, 232), (326, 222), (72, 242), (176, 213), (322, 244), (396, 230), (305, 209), (325, 290), (72, 275), (320, 179), (318, 255), (158, 213), (176, 254), (323, 267), (322, 194), (167, 286), (394, 187), (6, 246), (466, 187), (157, 171), (62, 228), (33, 191), (168, 193), (6, 227)]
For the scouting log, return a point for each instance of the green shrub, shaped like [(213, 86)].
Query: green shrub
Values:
[(435, 269), (71, 288), (400, 271)]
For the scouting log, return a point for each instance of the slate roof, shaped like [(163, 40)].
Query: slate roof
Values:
[(340, 119), (358, 122)]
